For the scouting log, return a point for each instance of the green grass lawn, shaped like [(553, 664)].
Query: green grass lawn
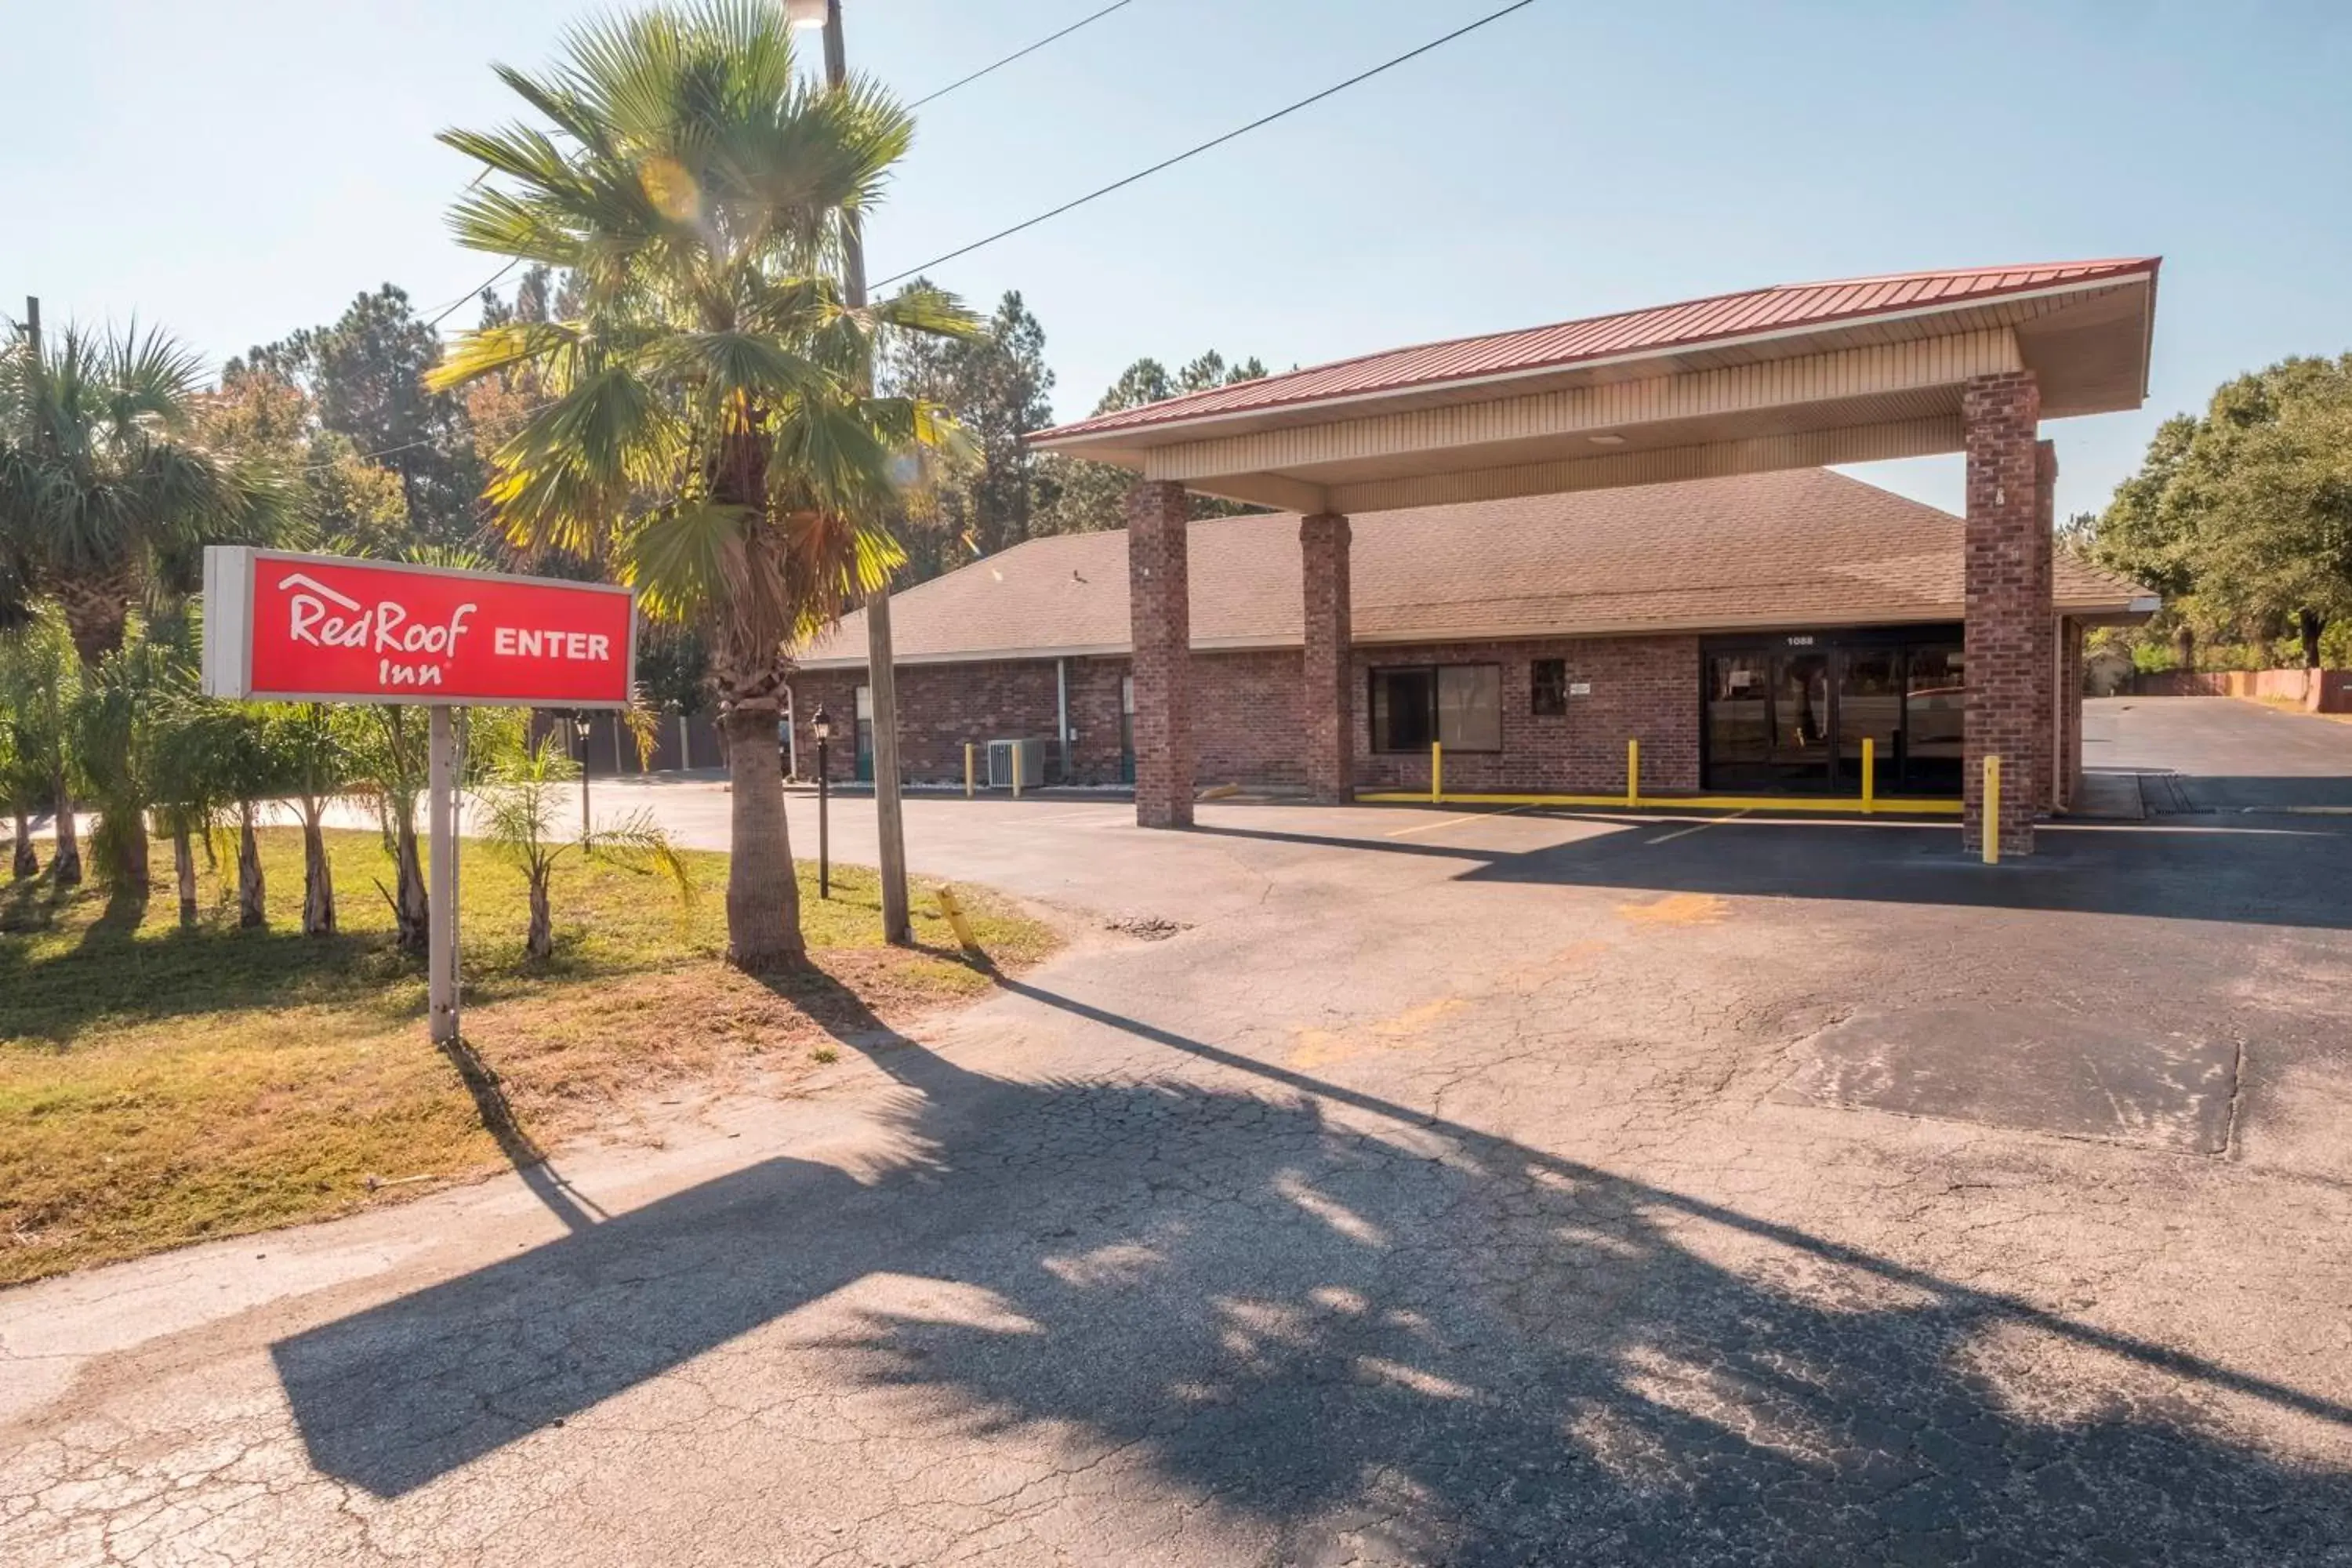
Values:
[(161, 1086)]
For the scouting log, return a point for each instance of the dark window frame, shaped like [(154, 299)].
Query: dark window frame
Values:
[(1372, 678), (1548, 688)]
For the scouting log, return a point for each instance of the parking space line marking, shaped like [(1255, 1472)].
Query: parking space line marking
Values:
[(1450, 821), (1695, 827)]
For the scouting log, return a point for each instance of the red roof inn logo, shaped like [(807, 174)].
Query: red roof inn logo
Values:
[(331, 630)]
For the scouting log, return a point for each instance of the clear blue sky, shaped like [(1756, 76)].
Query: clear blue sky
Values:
[(238, 168)]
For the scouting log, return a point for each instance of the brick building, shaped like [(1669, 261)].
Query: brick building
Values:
[(1747, 631)]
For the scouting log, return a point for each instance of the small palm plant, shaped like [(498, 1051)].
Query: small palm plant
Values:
[(312, 743), (255, 770), (522, 803), (196, 757)]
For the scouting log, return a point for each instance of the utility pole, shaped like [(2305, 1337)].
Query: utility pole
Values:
[(880, 675)]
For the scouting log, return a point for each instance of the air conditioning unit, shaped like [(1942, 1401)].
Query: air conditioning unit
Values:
[(1012, 762)]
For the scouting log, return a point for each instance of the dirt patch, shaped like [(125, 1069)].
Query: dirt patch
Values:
[(1146, 927)]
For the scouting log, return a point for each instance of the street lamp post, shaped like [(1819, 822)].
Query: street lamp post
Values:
[(820, 722), (579, 728)]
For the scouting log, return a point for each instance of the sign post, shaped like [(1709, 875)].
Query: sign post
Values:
[(281, 627), (441, 939)]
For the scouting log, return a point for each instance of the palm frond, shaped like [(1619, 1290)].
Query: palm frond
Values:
[(492, 350), (723, 368), (688, 558), (933, 312), (638, 839)]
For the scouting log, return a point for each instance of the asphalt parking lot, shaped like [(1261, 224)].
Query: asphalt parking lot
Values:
[(1423, 1184)]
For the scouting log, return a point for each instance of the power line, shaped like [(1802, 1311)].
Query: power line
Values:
[(963, 81), (491, 281), (1205, 146)]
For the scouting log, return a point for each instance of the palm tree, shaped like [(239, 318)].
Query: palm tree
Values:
[(24, 778), (106, 495), (117, 727), (22, 788), (313, 747), (195, 758), (254, 770), (523, 802), (708, 433), (39, 682)]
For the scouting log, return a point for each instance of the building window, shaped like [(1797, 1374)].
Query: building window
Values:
[(1459, 705), (1547, 690)]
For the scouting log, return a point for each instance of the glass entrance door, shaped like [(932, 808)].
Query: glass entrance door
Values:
[(1768, 721), (1869, 708), (1803, 703), (1739, 721)]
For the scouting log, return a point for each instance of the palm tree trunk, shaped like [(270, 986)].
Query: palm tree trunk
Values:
[(64, 865), (763, 898), (411, 908), (25, 863), (96, 610), (318, 876), (250, 909), (541, 944), (184, 869), (132, 844)]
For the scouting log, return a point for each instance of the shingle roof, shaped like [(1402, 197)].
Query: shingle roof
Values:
[(1778, 308), (1802, 547)]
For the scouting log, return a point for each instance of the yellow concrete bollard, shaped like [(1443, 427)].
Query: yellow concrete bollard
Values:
[(952, 907), (1992, 810), (971, 768), (1436, 772), (1869, 775), (1633, 773)]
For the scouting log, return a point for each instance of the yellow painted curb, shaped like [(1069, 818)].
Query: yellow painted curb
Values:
[(1879, 805)]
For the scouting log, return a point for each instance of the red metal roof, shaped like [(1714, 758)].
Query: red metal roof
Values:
[(1661, 327)]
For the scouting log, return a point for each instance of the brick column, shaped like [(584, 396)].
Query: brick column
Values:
[(1324, 709), (2070, 713), (1159, 618), (2044, 592), (2009, 608)]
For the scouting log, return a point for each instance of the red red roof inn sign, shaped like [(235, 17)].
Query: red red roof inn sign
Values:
[(325, 628)]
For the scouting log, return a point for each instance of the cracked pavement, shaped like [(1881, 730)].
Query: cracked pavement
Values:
[(1452, 1188)]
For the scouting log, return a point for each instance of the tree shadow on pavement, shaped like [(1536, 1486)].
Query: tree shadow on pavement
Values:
[(1325, 1325), (2274, 871)]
